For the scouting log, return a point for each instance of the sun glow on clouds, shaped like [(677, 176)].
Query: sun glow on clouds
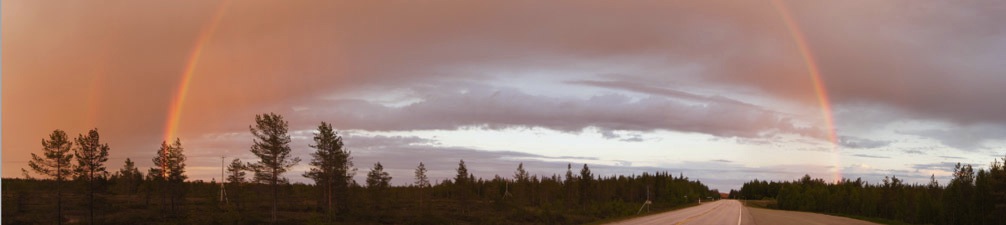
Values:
[(717, 85), (656, 149)]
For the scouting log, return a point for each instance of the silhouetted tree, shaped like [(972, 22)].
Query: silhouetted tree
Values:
[(129, 177), (475, 200), (461, 182), (91, 156), (586, 180), (272, 146), (55, 163), (26, 175), (235, 177), (170, 165), (997, 187), (422, 181), (568, 185), (462, 176), (521, 175), (378, 181), (959, 197), (331, 166), (969, 198), (522, 184)]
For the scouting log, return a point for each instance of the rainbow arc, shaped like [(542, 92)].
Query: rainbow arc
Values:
[(815, 75), (178, 102)]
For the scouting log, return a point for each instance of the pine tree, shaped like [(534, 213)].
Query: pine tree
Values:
[(91, 156), (422, 181), (236, 172), (959, 196), (235, 177), (568, 184), (522, 181), (461, 181), (169, 164), (378, 178), (272, 146), (54, 163), (331, 166), (997, 173), (130, 177), (378, 181), (521, 175), (462, 176), (586, 180), (569, 174)]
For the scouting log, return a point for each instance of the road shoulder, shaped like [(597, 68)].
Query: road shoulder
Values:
[(783, 217)]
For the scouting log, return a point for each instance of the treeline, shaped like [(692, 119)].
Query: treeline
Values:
[(74, 187), (970, 197)]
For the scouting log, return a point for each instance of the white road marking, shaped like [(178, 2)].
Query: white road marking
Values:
[(739, 213)]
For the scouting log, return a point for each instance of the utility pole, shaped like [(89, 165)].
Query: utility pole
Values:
[(647, 203), (223, 190), (507, 193)]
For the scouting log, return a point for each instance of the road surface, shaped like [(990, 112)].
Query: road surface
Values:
[(731, 212)]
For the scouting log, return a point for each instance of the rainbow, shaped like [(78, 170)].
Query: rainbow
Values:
[(94, 91), (818, 83), (177, 103)]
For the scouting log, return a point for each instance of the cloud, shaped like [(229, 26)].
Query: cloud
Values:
[(860, 47), (378, 141), (951, 157), (967, 138), (666, 92), (480, 105), (621, 136), (120, 67), (871, 156), (941, 166), (855, 142)]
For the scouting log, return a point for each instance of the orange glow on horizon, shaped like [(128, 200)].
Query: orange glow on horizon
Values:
[(815, 75)]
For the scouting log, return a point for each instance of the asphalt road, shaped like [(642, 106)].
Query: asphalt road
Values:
[(731, 212), (726, 212)]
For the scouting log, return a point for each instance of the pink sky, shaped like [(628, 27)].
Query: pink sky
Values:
[(914, 85)]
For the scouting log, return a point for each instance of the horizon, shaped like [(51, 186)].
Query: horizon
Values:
[(721, 93)]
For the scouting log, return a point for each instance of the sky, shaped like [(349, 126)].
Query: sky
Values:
[(721, 91)]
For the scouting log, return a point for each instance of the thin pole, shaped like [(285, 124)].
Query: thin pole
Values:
[(223, 189)]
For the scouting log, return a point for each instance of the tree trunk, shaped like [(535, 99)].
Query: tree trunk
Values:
[(59, 193), (275, 194), (90, 186), (162, 191), (330, 198), (171, 196)]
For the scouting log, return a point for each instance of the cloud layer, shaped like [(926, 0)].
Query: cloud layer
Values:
[(720, 68)]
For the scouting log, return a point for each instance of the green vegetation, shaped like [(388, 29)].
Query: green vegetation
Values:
[(969, 198), (163, 196), (91, 156), (169, 176), (272, 147), (55, 164)]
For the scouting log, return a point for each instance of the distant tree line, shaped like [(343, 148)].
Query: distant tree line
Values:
[(257, 192), (969, 198)]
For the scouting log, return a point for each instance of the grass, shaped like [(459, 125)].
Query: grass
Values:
[(771, 204), (653, 212), (871, 219), (764, 204)]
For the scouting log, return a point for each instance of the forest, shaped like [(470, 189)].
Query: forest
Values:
[(969, 198), (68, 183)]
